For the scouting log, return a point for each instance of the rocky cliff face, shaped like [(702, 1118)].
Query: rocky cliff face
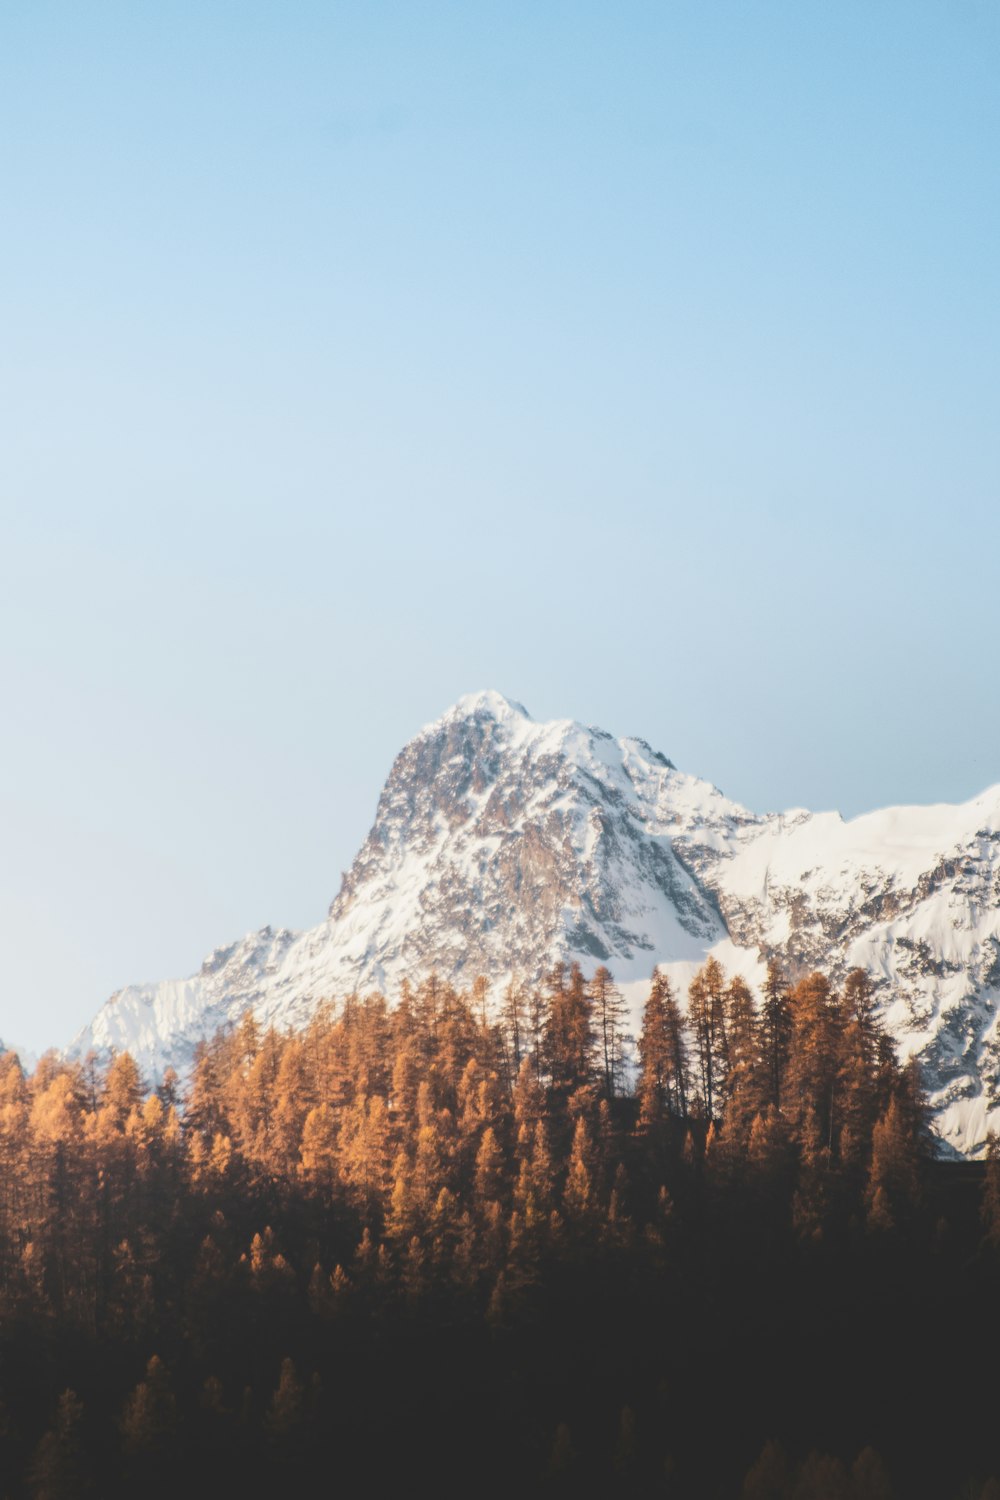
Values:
[(501, 844)]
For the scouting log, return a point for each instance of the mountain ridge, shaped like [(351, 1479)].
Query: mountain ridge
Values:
[(501, 844)]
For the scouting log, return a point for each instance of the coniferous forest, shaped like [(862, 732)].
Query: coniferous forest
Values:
[(492, 1245)]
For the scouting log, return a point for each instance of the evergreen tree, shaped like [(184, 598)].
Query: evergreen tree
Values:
[(894, 1186), (122, 1088), (742, 1093), (991, 1191), (59, 1469), (609, 1012), (365, 1149), (821, 1477), (811, 1205), (529, 1097), (776, 1032), (855, 1095), (769, 1478), (488, 1185), (626, 1447), (870, 1477), (537, 1020), (770, 1161), (578, 1193), (169, 1090), (811, 1074), (706, 1014), (513, 1030), (206, 1109), (562, 1455), (860, 1006), (286, 1410), (662, 1079), (569, 1031), (318, 1151), (149, 1427)]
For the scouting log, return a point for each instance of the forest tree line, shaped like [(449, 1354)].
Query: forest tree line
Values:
[(388, 1238)]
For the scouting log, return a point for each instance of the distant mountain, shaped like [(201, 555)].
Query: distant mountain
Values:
[(501, 844)]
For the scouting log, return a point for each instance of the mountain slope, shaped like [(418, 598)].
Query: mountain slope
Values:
[(501, 844)]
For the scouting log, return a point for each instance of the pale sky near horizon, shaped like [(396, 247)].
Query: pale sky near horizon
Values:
[(640, 361)]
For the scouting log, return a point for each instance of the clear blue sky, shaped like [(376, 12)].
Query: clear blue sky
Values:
[(639, 360)]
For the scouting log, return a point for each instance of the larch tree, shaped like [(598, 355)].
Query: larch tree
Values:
[(513, 1029), (655, 1054), (578, 1192), (706, 1014), (609, 1015), (741, 1091), (489, 1173), (569, 1031), (894, 1185), (287, 1408), (870, 1477), (149, 1419), (318, 1148), (811, 1075), (990, 1206), (776, 1031), (861, 1006), (59, 1469), (122, 1088), (770, 1477)]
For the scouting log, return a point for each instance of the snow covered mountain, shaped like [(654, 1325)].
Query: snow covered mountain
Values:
[(501, 844)]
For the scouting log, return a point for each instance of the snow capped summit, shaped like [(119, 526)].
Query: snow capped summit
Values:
[(501, 844), (489, 702)]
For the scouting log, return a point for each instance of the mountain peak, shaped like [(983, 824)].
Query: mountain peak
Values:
[(502, 844), (486, 703)]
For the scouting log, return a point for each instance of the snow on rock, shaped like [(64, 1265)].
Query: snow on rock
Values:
[(501, 844)]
